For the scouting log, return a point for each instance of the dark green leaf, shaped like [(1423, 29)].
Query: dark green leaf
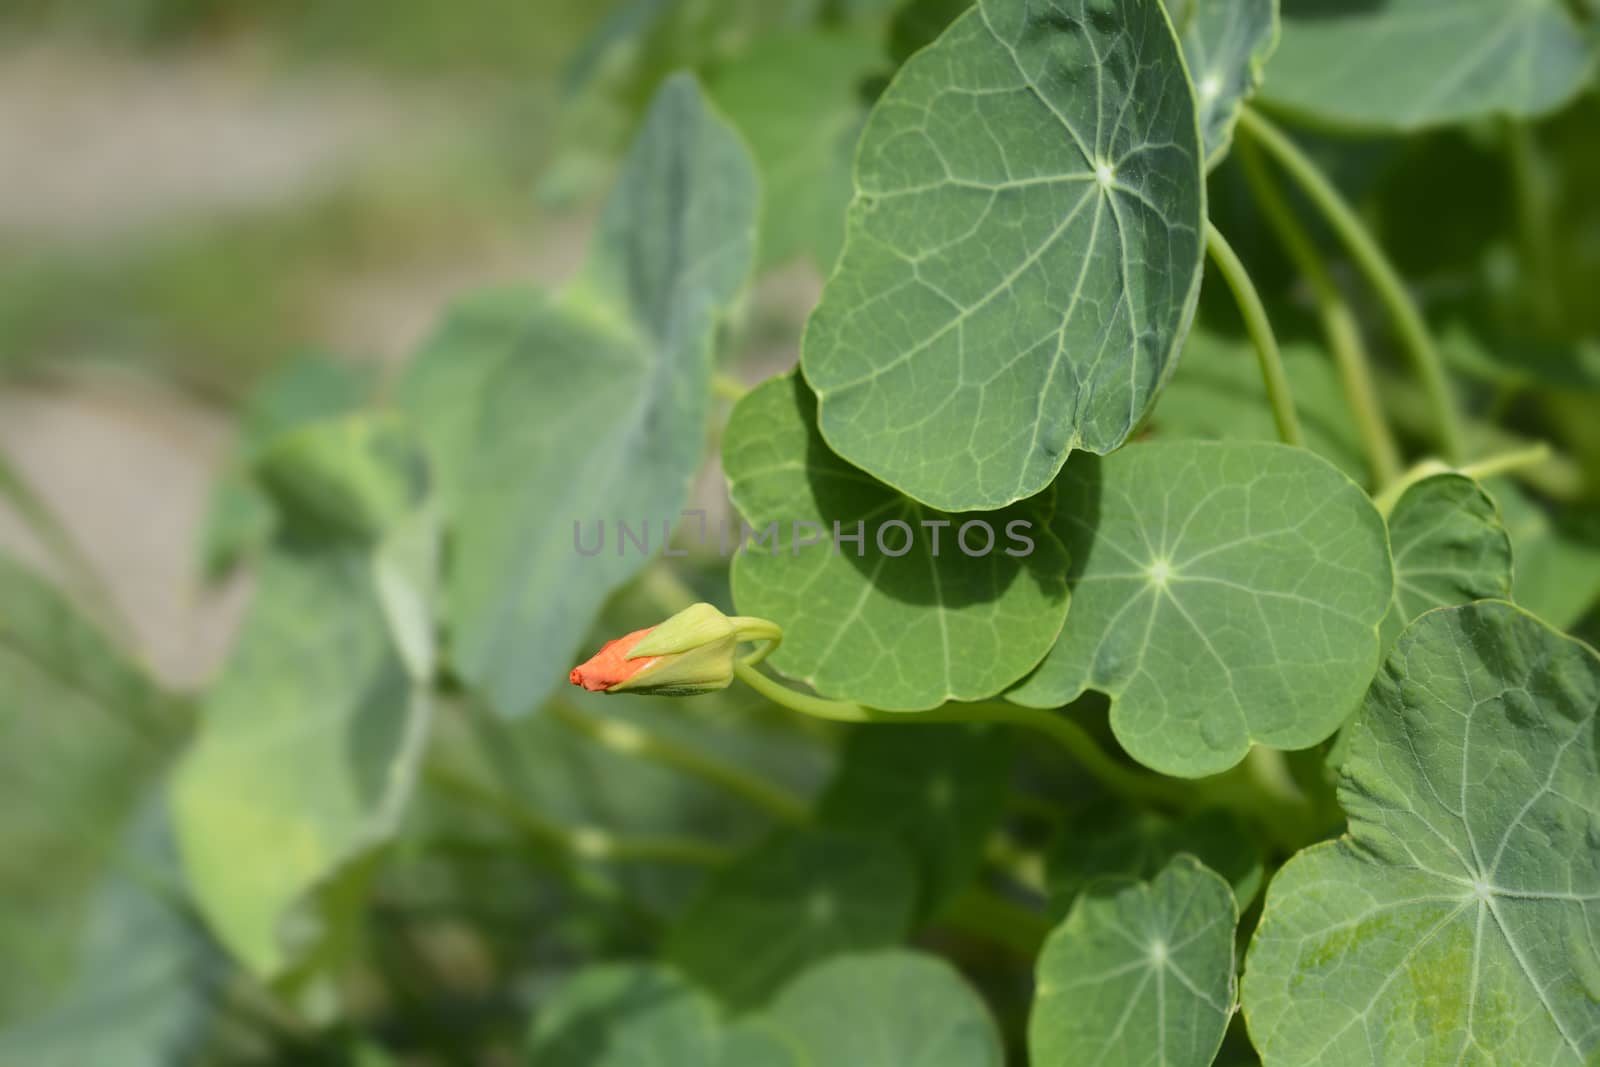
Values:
[(1022, 255)]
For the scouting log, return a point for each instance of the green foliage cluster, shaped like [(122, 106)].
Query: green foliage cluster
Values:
[(1278, 745)]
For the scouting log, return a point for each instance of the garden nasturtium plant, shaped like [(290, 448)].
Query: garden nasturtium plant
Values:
[(1148, 620)]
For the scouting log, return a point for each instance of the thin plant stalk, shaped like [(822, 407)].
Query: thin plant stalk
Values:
[(1385, 280), (1338, 321), (1259, 327)]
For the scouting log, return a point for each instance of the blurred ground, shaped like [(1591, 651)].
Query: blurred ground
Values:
[(183, 208), (132, 188)]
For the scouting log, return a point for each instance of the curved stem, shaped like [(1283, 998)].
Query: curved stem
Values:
[(629, 740), (583, 842), (1504, 463), (1508, 462), (1338, 320), (1126, 782), (1413, 331), (1260, 330)]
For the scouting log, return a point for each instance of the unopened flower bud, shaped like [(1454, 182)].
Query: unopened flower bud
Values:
[(690, 653)]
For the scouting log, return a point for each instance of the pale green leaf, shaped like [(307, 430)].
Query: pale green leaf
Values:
[(1139, 973), (310, 740), (797, 100), (1411, 64), (1121, 842), (1454, 923), (1217, 393), (83, 734), (1223, 594), (893, 1008), (1225, 43), (587, 408), (798, 898), (1557, 555), (873, 621), (940, 790), (1022, 254), (1449, 548)]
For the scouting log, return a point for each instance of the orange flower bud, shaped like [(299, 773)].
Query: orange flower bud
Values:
[(692, 652), (611, 666)]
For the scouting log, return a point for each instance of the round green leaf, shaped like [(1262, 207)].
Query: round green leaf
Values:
[(861, 620), (796, 899), (1113, 842), (887, 1009), (1022, 254), (1139, 974), (941, 790), (1225, 43), (544, 415), (1411, 64), (1449, 548), (1223, 594), (1455, 922)]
